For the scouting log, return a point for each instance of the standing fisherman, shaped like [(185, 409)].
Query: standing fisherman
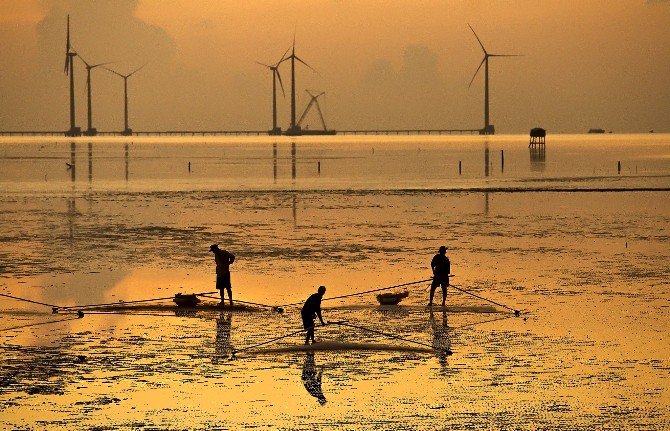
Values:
[(311, 309), (223, 261), (441, 269)]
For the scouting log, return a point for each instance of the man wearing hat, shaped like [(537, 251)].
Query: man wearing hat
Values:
[(223, 261), (441, 269)]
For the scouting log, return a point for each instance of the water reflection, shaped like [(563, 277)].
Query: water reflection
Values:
[(126, 159), (311, 378), (274, 162), (441, 342), (487, 160), (223, 348), (293, 157), (71, 216), (538, 156), (294, 202), (72, 166), (90, 162)]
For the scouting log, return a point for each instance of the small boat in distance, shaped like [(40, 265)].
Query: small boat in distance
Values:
[(596, 130)]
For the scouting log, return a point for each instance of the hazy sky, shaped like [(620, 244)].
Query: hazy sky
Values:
[(383, 64)]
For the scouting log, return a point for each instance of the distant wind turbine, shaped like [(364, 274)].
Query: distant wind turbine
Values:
[(488, 128), (275, 75), (126, 131), (90, 131), (293, 58), (313, 101), (69, 70)]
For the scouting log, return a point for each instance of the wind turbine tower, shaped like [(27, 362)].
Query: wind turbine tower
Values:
[(69, 70), (127, 131), (91, 131), (488, 129), (275, 75), (294, 129)]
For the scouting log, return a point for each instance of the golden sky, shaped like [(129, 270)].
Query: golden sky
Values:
[(383, 64)]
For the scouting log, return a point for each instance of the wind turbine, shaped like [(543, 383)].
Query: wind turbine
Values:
[(275, 75), (294, 129), (313, 101), (488, 128), (69, 70), (90, 131), (126, 131)]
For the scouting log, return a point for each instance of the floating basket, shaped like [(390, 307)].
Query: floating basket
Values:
[(186, 300), (392, 298)]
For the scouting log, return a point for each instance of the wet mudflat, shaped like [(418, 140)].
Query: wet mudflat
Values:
[(588, 269)]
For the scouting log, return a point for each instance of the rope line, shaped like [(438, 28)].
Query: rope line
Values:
[(13, 328), (516, 312), (28, 300), (130, 313), (272, 340), (362, 293), (274, 307), (382, 333), (123, 303), (469, 325)]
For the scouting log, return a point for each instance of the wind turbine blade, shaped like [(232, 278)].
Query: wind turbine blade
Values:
[(505, 55), (283, 57), (281, 84), (85, 62), (480, 42), (136, 70), (67, 43), (113, 71), (66, 68), (300, 60), (101, 64), (263, 64), (476, 71)]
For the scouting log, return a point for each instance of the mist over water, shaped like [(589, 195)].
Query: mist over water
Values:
[(562, 234)]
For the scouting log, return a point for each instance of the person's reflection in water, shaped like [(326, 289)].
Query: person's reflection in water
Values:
[(223, 349), (311, 378), (441, 342)]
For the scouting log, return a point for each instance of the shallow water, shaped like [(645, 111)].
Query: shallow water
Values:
[(580, 248)]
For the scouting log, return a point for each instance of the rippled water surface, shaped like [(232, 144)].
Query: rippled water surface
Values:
[(580, 246)]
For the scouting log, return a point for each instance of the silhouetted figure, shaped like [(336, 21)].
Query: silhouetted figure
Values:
[(223, 261), (441, 342), (441, 268), (311, 378), (310, 310), (222, 347)]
